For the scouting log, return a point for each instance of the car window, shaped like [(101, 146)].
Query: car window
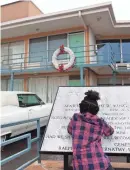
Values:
[(27, 100)]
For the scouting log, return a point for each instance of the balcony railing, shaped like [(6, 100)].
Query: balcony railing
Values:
[(99, 54)]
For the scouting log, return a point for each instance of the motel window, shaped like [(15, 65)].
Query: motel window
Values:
[(4, 84), (12, 53), (38, 50), (103, 50), (126, 50), (4, 54), (126, 81), (42, 49), (16, 53), (120, 48), (18, 85), (55, 42), (109, 81)]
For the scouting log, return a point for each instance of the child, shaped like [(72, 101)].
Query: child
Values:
[(87, 129)]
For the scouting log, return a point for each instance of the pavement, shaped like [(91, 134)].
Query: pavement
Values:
[(47, 165), (49, 162), (58, 165)]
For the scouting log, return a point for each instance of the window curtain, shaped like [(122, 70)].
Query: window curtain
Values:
[(39, 86), (4, 55), (12, 54), (16, 54), (4, 85), (126, 51), (38, 50), (55, 42), (18, 85), (53, 84)]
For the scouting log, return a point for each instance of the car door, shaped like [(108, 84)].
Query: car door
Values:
[(40, 111), (11, 114), (36, 109)]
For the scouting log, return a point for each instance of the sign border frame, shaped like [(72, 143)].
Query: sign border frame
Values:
[(71, 153)]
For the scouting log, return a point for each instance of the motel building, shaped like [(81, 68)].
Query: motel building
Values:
[(93, 48)]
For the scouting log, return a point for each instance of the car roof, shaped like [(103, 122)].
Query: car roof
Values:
[(11, 98), (16, 92)]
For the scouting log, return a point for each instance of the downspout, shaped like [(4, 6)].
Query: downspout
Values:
[(82, 20)]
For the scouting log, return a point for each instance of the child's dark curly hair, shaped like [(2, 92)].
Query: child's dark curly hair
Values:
[(90, 104)]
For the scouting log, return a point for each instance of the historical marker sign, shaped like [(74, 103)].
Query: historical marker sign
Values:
[(114, 108)]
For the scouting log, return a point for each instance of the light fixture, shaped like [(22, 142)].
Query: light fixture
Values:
[(99, 18), (37, 30), (98, 36)]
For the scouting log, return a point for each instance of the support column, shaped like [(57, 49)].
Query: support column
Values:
[(11, 82), (114, 78), (81, 76), (128, 158), (65, 161), (25, 84), (87, 45), (26, 55), (87, 77), (38, 142)]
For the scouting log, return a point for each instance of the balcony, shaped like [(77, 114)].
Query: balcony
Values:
[(93, 57)]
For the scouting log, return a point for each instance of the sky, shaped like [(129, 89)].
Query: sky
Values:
[(121, 7)]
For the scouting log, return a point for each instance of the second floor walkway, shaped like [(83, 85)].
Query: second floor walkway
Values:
[(93, 56)]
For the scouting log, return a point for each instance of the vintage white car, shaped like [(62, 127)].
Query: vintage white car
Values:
[(19, 106)]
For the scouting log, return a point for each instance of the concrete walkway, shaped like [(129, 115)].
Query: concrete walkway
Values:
[(47, 165), (58, 165)]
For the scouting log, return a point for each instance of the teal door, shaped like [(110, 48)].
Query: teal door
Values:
[(76, 44), (74, 83)]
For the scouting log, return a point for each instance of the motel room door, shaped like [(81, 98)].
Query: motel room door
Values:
[(53, 84), (46, 87), (76, 44), (38, 86)]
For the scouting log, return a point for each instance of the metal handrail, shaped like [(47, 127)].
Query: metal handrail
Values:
[(10, 158), (29, 142), (25, 62), (51, 50), (48, 62)]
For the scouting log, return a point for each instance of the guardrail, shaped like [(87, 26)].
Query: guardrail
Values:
[(29, 142), (93, 54)]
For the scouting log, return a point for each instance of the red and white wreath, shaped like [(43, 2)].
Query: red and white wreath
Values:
[(63, 67)]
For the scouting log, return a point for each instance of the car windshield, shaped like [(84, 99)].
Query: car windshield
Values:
[(27, 100)]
